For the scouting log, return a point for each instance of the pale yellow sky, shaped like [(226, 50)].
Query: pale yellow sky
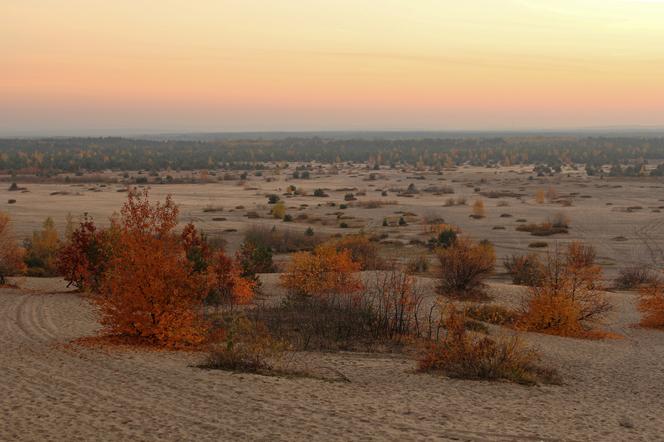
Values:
[(92, 66)]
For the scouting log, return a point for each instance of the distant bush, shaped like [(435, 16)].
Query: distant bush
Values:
[(281, 240), (543, 229), (418, 264), (633, 277)]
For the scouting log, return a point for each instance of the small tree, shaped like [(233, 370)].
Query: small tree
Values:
[(464, 266), (229, 288), (84, 258), (11, 255), (42, 250), (568, 296), (151, 290), (253, 259)]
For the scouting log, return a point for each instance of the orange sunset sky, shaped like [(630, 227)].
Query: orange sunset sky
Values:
[(141, 66)]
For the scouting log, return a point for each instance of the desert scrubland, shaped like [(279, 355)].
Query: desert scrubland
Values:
[(605, 386)]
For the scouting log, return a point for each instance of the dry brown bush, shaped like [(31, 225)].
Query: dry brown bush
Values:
[(464, 266), (525, 269), (464, 355), (634, 276)]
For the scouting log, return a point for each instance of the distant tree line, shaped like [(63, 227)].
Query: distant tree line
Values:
[(72, 155)]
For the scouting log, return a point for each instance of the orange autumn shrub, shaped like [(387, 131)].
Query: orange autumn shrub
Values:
[(568, 297), (321, 272), (651, 304), (11, 255), (228, 287), (362, 251), (150, 290)]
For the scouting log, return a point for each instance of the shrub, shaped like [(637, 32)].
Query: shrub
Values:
[(446, 238), (254, 259), (418, 264), (493, 314), (42, 249), (402, 221), (569, 295), (278, 210), (383, 312), (84, 258), (243, 345), (478, 209), (228, 288), (543, 229), (538, 245), (150, 290), (320, 193), (525, 270), (362, 251), (464, 266), (633, 277), (463, 355), (281, 240), (651, 304), (11, 255), (322, 272)]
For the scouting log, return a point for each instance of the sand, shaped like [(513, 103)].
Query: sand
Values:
[(613, 389)]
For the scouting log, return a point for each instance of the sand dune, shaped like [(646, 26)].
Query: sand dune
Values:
[(613, 390)]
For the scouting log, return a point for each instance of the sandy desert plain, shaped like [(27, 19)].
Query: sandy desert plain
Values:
[(612, 389)]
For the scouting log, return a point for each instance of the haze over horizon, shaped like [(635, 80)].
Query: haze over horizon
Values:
[(132, 67)]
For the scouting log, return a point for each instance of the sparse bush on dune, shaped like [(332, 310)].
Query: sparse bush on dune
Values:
[(381, 310), (245, 345), (464, 266), (462, 354), (634, 277), (569, 298)]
